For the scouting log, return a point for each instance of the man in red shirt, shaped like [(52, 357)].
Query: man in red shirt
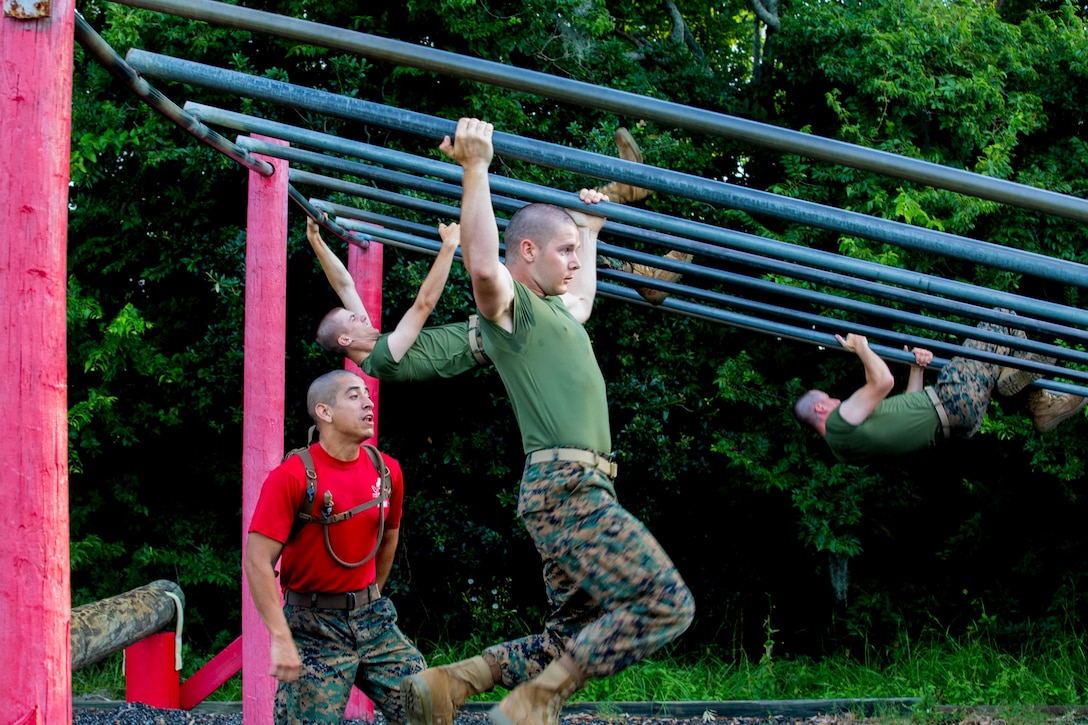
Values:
[(334, 627)]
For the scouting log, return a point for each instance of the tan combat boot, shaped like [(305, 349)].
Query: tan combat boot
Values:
[(1013, 380), (625, 194), (656, 296), (538, 701), (433, 696), (618, 192), (1048, 408)]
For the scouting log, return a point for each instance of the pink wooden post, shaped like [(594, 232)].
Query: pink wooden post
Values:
[(35, 132), (365, 266), (262, 399)]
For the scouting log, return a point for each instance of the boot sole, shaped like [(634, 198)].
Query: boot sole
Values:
[(418, 708), (498, 717), (1053, 422), (1016, 381)]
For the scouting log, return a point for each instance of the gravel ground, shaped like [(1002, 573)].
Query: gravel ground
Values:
[(799, 713), (138, 714), (128, 713)]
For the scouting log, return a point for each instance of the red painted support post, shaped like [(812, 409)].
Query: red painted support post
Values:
[(150, 676), (365, 266), (262, 400), (35, 133)]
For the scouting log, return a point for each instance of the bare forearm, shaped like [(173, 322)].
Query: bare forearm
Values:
[(431, 289), (915, 379), (383, 560), (264, 590), (479, 232)]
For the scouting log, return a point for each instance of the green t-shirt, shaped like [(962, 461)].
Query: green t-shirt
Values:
[(551, 375), (438, 352), (900, 424)]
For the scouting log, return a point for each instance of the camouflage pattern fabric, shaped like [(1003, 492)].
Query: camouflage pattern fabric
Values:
[(615, 595), (964, 386), (363, 646)]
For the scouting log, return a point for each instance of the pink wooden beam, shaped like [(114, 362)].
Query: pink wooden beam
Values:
[(365, 266), (35, 132), (262, 400), (212, 675)]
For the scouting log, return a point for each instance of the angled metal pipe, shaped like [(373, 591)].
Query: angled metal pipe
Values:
[(808, 334), (331, 226), (645, 218), (650, 177), (790, 332), (351, 217), (763, 264), (624, 103), (727, 237), (96, 45)]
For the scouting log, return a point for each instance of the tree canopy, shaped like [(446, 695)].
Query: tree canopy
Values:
[(755, 512)]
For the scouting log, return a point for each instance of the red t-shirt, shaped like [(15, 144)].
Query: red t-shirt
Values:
[(305, 565)]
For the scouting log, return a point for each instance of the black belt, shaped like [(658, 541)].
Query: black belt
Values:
[(321, 600)]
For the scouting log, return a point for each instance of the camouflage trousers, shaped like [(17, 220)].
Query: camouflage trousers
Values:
[(339, 648), (615, 595), (964, 386)]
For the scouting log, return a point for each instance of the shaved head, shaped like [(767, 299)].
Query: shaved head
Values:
[(324, 390)]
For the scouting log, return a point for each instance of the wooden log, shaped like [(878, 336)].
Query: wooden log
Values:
[(109, 625)]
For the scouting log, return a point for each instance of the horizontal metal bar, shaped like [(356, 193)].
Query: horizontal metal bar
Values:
[(625, 103), (557, 156), (737, 280), (331, 226), (871, 270), (415, 242), (96, 45)]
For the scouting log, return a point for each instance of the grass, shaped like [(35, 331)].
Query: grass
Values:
[(967, 673)]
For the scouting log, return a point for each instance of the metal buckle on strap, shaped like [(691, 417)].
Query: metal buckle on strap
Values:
[(942, 414), (475, 340)]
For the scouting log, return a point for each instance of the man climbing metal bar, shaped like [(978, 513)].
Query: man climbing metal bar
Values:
[(615, 595), (870, 424)]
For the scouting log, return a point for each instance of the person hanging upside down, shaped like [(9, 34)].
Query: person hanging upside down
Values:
[(870, 424)]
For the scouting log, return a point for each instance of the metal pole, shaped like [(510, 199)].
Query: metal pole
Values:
[(388, 224), (871, 270), (800, 334), (416, 243), (556, 156), (327, 224), (765, 264), (625, 103), (741, 240), (115, 64)]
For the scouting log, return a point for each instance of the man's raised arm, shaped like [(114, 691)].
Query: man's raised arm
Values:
[(878, 381), (583, 288), (492, 285), (407, 330), (335, 271)]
